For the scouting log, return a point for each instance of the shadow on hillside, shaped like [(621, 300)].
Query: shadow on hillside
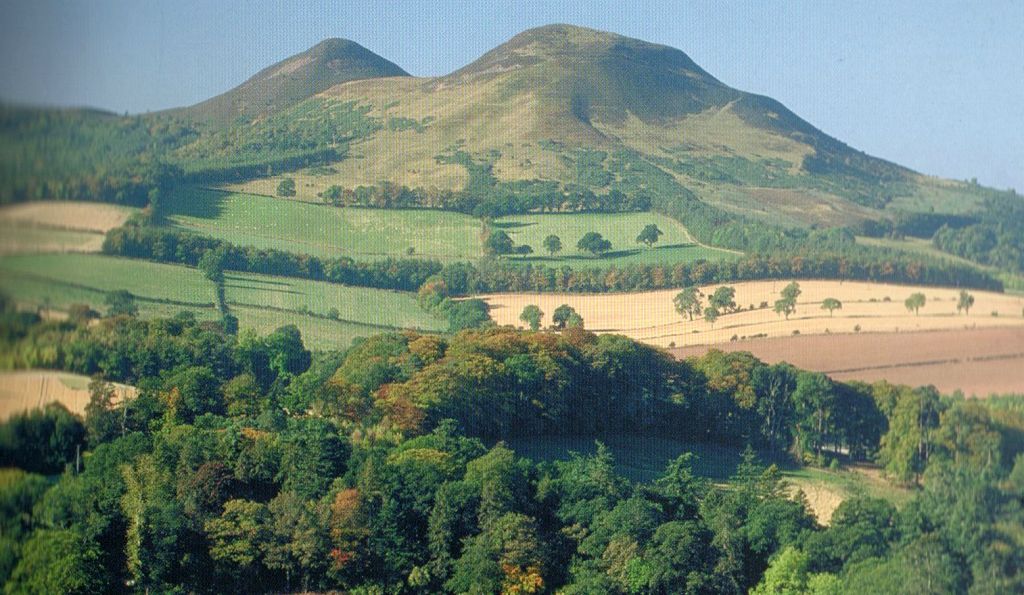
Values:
[(195, 202)]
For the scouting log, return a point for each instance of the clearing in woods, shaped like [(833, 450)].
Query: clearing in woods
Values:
[(642, 458)]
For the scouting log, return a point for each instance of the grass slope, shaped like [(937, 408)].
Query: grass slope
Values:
[(323, 231), (85, 278), (362, 305), (620, 229)]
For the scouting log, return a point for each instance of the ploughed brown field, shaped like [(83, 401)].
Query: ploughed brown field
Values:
[(979, 361)]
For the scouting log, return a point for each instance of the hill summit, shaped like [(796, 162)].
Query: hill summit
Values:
[(328, 63)]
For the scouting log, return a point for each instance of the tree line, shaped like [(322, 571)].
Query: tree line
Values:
[(497, 275)]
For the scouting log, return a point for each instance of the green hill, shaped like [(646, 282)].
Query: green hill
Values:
[(558, 119), (281, 85), (580, 107)]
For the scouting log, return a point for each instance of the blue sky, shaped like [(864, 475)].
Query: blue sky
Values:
[(934, 85)]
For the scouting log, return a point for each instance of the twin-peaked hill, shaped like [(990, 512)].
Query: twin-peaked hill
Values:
[(581, 107), (555, 109)]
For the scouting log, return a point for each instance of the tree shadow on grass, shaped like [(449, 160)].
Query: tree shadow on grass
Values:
[(238, 279), (512, 224), (200, 203)]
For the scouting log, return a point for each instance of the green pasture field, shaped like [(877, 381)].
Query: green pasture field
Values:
[(317, 333), (620, 229), (643, 459), (260, 302), (321, 230), (360, 305), (86, 278)]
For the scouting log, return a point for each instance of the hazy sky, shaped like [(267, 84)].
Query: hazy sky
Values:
[(934, 85)]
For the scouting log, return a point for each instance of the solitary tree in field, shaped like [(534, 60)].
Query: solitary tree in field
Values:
[(574, 321), (553, 244), (787, 305), (966, 302), (831, 304), (594, 243), (532, 316), (791, 291), (724, 299), (711, 315), (687, 302), (649, 235), (286, 187), (562, 315), (915, 302)]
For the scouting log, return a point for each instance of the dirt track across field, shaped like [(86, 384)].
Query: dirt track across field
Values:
[(979, 361)]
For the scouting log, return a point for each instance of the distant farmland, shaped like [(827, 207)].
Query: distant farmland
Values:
[(979, 362), (870, 307), (58, 226), (371, 234), (28, 389), (872, 337), (261, 302)]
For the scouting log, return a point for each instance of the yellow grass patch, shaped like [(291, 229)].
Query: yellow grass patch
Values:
[(712, 132), (30, 389), (69, 215)]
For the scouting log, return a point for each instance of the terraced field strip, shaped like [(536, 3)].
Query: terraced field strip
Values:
[(86, 278)]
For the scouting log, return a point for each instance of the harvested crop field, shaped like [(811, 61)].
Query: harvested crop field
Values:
[(58, 226), (29, 389), (979, 361), (70, 215), (870, 307)]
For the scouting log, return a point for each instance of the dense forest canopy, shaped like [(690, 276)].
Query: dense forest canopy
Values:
[(250, 462)]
